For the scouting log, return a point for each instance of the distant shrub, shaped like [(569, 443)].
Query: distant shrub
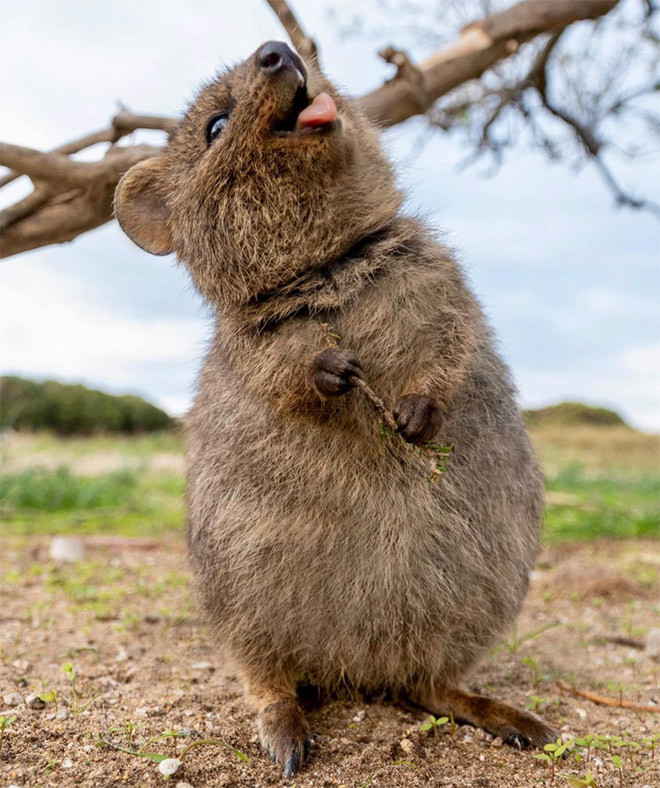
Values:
[(74, 409), (568, 414)]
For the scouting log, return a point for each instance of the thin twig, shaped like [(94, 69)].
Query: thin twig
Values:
[(602, 700), (435, 456), (622, 640)]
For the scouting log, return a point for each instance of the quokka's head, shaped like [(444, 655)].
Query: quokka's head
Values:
[(271, 172)]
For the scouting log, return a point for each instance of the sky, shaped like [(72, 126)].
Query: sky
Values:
[(570, 283)]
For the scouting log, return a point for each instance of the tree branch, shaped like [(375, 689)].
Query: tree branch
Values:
[(61, 208), (72, 197), (479, 47), (592, 146), (123, 123), (301, 41)]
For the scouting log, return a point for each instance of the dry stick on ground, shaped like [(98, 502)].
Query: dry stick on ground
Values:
[(622, 640), (604, 700), (57, 211), (435, 457)]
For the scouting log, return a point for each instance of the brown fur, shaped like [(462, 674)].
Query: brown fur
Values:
[(321, 552)]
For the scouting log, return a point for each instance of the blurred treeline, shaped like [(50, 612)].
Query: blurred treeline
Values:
[(571, 414), (66, 409)]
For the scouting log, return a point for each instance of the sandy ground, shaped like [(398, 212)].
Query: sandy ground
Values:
[(125, 619)]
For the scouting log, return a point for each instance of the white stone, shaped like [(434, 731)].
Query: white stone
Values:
[(169, 766), (653, 643), (68, 549), (407, 746), (12, 699)]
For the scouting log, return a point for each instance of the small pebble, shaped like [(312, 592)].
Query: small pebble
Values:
[(34, 702), (183, 785), (189, 732), (582, 714), (67, 763), (169, 766), (12, 699), (359, 716), (67, 549), (653, 643), (63, 713), (407, 746)]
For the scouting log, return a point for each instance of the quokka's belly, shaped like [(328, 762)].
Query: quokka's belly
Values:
[(326, 549)]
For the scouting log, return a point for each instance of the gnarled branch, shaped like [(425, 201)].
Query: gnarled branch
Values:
[(71, 197), (479, 47)]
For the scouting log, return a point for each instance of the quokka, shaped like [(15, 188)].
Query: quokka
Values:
[(322, 553)]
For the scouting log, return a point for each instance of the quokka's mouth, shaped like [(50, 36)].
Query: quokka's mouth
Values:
[(308, 116)]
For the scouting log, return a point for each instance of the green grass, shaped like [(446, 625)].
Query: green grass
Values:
[(583, 505), (123, 502), (60, 491), (602, 483)]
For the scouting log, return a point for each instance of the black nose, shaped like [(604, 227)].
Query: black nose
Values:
[(276, 56)]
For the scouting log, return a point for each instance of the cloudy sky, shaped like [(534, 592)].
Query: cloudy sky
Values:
[(571, 284)]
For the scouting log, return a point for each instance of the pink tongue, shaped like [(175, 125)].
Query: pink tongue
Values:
[(320, 112)]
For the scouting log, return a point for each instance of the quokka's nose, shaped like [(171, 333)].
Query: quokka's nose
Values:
[(275, 56)]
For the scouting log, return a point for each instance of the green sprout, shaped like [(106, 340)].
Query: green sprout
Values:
[(76, 707), (551, 755), (651, 743), (583, 782), (585, 741), (129, 729), (535, 702), (616, 760), (49, 697), (434, 723), (5, 722), (513, 646)]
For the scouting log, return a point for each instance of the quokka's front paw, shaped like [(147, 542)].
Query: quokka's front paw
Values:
[(335, 371), (417, 416)]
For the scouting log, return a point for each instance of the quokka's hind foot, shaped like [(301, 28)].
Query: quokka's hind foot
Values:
[(284, 734), (282, 727), (518, 728)]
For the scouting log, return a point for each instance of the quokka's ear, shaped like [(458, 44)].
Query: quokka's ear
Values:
[(141, 209)]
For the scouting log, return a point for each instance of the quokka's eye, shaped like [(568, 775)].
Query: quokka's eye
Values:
[(216, 126)]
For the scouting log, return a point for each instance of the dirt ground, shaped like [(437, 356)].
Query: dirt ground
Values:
[(124, 618)]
